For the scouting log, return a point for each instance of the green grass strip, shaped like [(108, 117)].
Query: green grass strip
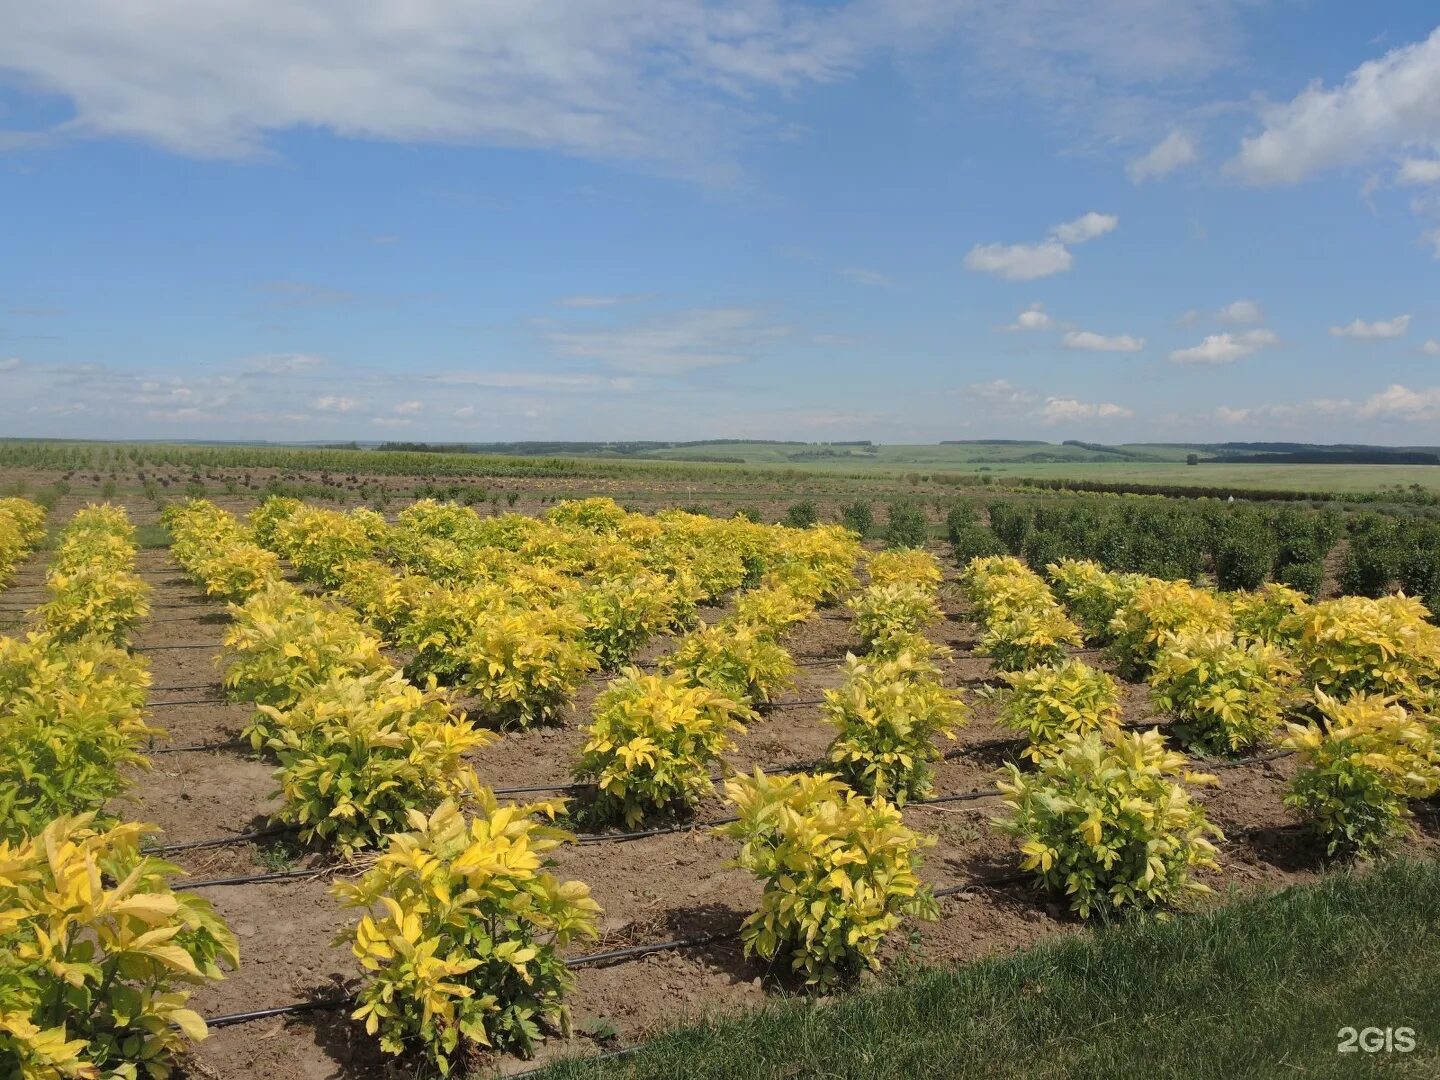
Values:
[(1259, 987)]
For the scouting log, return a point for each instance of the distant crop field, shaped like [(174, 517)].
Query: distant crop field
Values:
[(1317, 478)]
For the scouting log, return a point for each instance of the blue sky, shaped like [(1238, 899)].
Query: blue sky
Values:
[(1103, 219)]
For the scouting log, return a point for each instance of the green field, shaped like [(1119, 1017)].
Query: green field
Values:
[(829, 466), (1130, 463)]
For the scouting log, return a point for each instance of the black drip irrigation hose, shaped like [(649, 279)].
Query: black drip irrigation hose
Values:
[(231, 1019), (221, 841), (255, 879), (598, 838), (1259, 760), (610, 956), (603, 838), (982, 883), (771, 706), (171, 648), (634, 952), (233, 744), (192, 701)]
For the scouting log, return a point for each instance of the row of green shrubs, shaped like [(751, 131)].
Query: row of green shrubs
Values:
[(906, 525), (1241, 546)]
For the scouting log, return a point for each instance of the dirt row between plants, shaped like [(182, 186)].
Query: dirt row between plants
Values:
[(651, 889)]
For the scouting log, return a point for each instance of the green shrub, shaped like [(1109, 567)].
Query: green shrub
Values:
[(975, 542), (1373, 560), (1244, 552), (858, 518), (906, 526), (802, 515)]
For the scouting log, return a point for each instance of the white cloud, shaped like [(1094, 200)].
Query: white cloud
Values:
[(1020, 262), (1383, 105), (1286, 412), (1086, 227), (1092, 342), (1381, 328), (674, 344), (409, 408), (1418, 171), (653, 79), (1431, 347), (1225, 348), (1401, 403), (1395, 403), (1175, 151), (9, 363), (465, 412), (1025, 262), (1032, 318), (1000, 391), (1244, 312), (664, 80), (335, 403), (1058, 410)]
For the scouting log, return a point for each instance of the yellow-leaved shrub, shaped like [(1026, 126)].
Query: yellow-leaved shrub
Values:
[(357, 752), (1229, 693), (1047, 703), (652, 744), (840, 872), (524, 664), (905, 566), (100, 955), (1358, 645), (463, 929), (735, 659), (1157, 611), (1106, 820), (71, 718), (283, 642), (1091, 594), (1360, 769), (887, 716), (889, 618)]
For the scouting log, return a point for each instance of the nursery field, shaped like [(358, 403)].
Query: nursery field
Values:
[(280, 687)]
